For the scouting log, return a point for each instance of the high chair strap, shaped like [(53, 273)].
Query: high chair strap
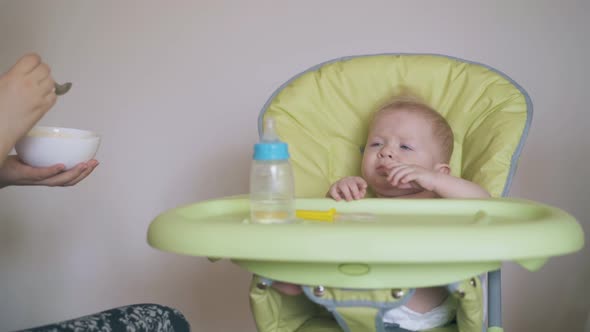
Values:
[(360, 310)]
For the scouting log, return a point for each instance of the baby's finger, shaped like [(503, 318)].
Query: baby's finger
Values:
[(400, 174), (409, 181), (362, 184), (345, 191), (409, 177), (362, 193), (394, 171), (354, 191), (334, 193)]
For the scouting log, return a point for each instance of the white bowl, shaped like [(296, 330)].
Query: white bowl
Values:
[(47, 146)]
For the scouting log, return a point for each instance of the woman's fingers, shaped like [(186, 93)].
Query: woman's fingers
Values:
[(26, 64), (65, 177), (47, 86), (33, 175), (91, 165), (41, 72)]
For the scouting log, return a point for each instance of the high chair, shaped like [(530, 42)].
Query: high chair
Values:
[(354, 272)]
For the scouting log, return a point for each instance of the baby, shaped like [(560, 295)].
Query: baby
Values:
[(407, 156)]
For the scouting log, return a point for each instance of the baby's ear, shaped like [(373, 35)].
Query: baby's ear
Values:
[(443, 168)]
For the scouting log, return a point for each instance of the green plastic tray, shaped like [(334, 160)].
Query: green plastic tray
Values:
[(409, 243)]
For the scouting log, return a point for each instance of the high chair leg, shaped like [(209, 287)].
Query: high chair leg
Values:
[(495, 301)]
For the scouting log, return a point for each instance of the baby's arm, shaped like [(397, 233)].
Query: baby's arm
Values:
[(439, 182), (448, 186), (348, 188)]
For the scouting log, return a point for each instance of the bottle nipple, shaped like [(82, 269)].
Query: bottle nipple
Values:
[(269, 133), (270, 146)]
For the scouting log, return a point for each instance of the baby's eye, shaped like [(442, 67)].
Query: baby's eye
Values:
[(375, 144), (406, 147)]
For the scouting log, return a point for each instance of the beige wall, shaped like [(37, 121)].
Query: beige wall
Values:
[(175, 88)]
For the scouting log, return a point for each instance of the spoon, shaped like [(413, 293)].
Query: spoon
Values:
[(62, 89)]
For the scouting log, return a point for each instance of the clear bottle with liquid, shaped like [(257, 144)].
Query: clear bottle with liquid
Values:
[(272, 188)]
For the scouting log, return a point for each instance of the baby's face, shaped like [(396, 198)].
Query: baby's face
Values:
[(398, 137)]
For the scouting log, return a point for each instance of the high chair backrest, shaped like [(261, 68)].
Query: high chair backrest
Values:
[(324, 113)]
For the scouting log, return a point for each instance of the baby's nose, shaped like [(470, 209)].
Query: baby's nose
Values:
[(386, 154)]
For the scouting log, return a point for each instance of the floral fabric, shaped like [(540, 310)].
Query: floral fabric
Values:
[(133, 318)]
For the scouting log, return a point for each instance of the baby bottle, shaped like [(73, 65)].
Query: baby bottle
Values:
[(272, 190)]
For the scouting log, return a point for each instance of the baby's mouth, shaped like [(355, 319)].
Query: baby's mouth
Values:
[(382, 170)]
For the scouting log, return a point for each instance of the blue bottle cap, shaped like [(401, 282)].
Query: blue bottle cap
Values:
[(271, 151)]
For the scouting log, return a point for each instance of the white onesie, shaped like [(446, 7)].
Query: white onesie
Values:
[(414, 321)]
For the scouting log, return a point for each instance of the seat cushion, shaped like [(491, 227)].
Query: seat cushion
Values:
[(324, 115)]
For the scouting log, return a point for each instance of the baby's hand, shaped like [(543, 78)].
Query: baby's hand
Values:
[(412, 176), (349, 188)]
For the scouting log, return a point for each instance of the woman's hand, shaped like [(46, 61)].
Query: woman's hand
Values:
[(15, 172), (26, 94)]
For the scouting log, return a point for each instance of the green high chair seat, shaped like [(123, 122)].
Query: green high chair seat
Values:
[(353, 272)]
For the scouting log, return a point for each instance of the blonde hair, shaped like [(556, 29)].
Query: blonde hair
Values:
[(441, 129)]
